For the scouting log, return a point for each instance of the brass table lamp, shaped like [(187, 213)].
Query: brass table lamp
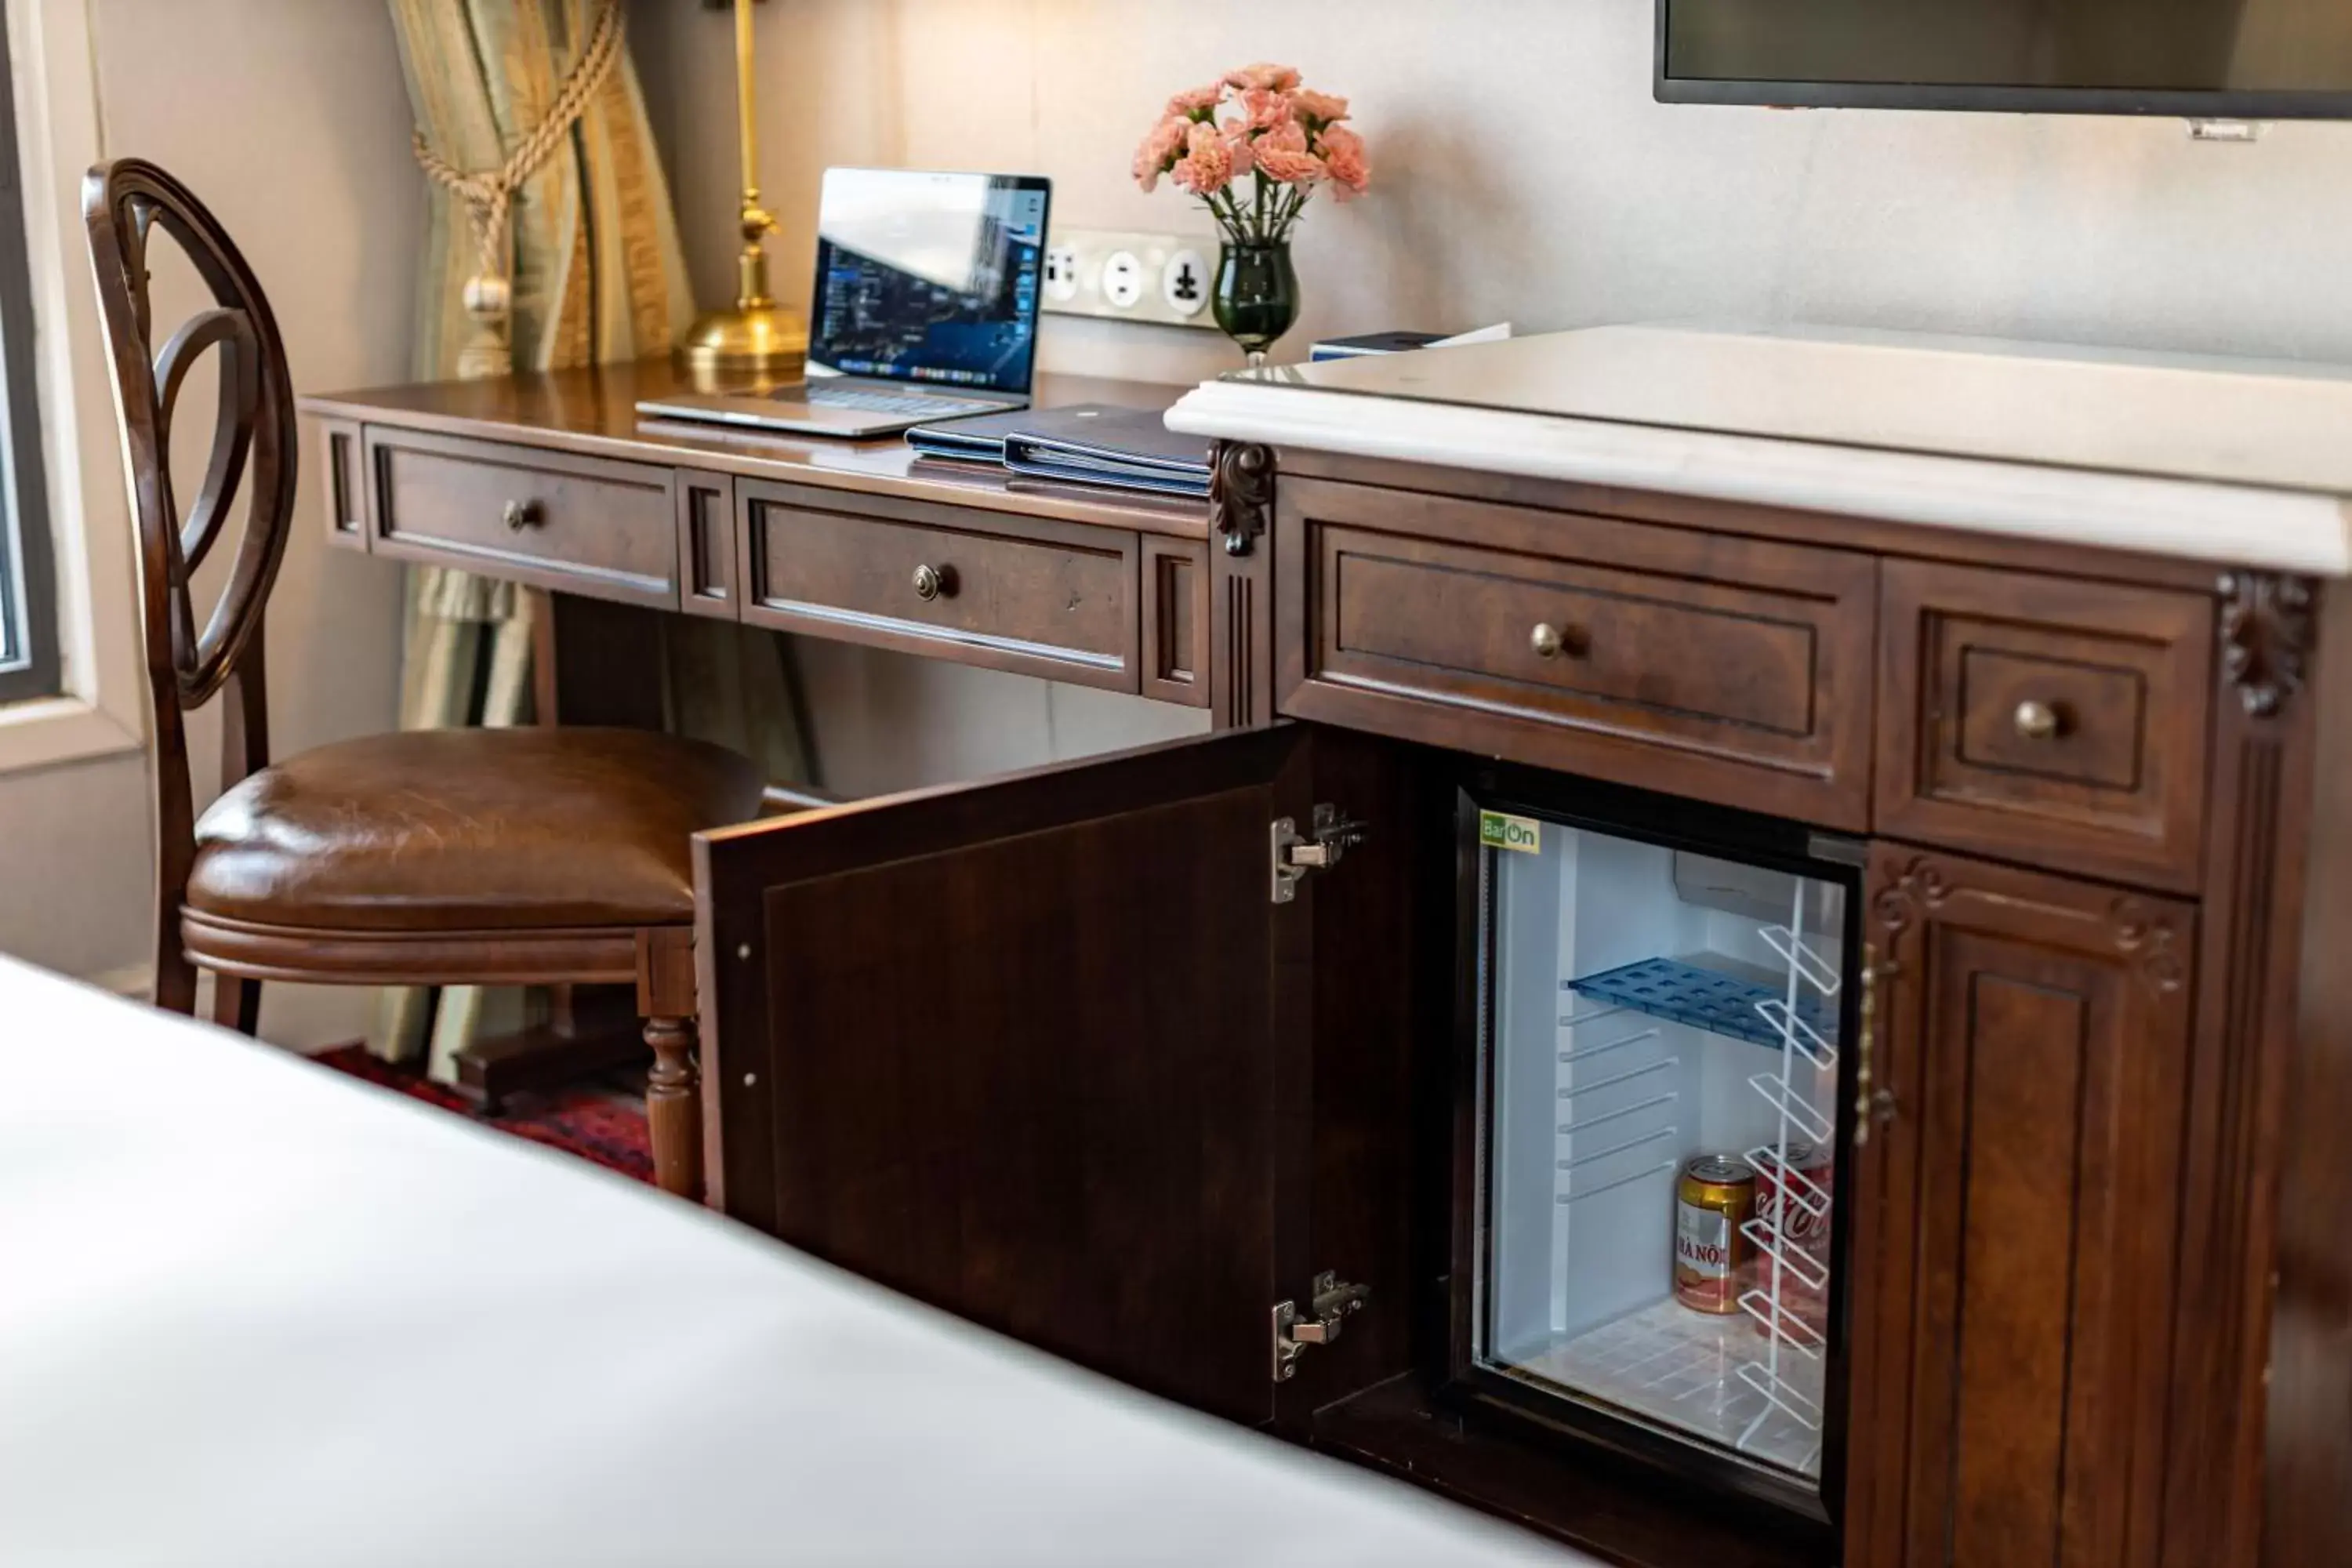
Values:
[(756, 339)]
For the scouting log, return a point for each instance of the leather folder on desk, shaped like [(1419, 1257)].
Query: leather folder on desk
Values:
[(1087, 443)]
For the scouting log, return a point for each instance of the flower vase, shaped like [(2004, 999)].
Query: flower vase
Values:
[(1256, 295)]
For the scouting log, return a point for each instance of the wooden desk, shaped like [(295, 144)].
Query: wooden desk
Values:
[(555, 481), (552, 481)]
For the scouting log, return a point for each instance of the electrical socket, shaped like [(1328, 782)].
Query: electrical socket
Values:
[(1126, 275)]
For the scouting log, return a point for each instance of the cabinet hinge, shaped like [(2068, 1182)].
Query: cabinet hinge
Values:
[(1295, 855), (1333, 1299)]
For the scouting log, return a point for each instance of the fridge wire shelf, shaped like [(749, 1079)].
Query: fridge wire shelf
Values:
[(1808, 1270), (1598, 1117), (1808, 1194), (1818, 971), (1803, 1117), (1800, 1037), (1663, 1168), (1792, 1403), (1783, 1325)]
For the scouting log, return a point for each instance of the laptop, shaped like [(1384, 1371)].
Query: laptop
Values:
[(926, 309)]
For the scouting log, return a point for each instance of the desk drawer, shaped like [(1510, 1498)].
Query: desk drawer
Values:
[(1734, 670), (1057, 600), (582, 525), (2055, 722)]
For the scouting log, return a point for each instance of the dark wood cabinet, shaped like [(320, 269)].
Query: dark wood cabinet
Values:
[(1094, 1056), (2019, 1199), (1054, 1063)]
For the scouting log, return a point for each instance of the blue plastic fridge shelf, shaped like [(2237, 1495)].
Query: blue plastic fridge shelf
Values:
[(1704, 998)]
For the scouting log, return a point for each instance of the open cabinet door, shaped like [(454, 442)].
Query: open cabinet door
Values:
[(1012, 1048)]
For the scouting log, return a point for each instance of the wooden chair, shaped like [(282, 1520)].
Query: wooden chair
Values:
[(440, 857)]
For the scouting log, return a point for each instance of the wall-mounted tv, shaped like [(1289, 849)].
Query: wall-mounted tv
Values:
[(2239, 59)]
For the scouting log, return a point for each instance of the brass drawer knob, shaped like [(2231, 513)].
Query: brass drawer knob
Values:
[(1550, 641), (522, 514), (934, 582), (2036, 720)]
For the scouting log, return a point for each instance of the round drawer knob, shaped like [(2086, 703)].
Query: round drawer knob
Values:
[(1550, 641), (934, 581), (2036, 720), (522, 514)]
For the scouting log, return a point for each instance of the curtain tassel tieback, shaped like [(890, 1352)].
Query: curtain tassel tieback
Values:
[(489, 196)]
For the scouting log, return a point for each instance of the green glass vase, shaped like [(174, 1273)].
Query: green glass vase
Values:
[(1256, 296)]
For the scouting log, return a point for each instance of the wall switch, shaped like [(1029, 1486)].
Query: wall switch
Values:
[(1129, 276)]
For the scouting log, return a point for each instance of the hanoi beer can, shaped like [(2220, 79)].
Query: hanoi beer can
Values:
[(1712, 1200)]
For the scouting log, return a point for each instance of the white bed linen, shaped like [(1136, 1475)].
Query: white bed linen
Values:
[(253, 1312)]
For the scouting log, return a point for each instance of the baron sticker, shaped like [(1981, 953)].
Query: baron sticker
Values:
[(1499, 831)]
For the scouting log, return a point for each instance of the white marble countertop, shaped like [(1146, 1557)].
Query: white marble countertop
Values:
[(2245, 463)]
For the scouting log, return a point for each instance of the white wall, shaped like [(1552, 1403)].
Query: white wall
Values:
[(1522, 172), (289, 119)]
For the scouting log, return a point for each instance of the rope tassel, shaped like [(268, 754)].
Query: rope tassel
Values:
[(488, 194)]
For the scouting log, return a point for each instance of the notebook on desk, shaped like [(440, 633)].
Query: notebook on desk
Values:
[(1128, 448), (1082, 443)]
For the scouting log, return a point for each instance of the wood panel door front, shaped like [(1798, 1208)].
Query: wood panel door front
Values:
[(2016, 1244), (1012, 1048)]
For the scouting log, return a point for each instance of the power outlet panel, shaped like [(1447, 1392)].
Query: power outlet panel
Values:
[(1125, 275)]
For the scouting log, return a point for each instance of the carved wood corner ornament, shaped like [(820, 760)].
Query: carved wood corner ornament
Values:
[(1241, 499), (1918, 886), (2145, 936), (2266, 635)]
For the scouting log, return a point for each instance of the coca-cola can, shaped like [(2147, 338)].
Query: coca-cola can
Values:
[(1712, 1200), (1792, 1273)]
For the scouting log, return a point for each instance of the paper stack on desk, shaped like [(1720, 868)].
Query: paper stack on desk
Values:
[(1084, 443)]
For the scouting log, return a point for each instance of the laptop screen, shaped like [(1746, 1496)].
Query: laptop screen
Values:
[(930, 278)]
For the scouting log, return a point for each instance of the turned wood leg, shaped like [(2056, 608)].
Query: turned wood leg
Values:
[(674, 1086), (674, 1107), (237, 1004)]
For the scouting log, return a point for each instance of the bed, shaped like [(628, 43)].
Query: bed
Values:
[(253, 1312)]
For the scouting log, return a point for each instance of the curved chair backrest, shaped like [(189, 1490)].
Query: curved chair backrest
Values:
[(253, 449)]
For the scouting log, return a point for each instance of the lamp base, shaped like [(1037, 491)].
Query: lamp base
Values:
[(754, 342)]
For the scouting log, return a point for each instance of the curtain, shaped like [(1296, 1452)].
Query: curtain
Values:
[(596, 274)]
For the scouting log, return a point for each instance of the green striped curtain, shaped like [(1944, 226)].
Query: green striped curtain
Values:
[(597, 276)]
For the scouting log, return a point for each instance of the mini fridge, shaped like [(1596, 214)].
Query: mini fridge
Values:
[(1657, 1013)]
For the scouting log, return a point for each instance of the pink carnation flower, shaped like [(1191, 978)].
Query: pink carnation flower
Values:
[(1279, 79), (1266, 108), (1158, 151), (1345, 159), (1206, 167), (1322, 107), (1281, 155), (1190, 105), (1239, 147)]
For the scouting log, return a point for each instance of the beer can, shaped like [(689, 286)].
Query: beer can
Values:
[(1795, 1272), (1712, 1200)]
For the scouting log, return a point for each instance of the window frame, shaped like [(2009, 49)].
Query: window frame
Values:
[(100, 706), (28, 630)]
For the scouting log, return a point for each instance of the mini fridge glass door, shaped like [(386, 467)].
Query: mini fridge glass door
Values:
[(1660, 1036)]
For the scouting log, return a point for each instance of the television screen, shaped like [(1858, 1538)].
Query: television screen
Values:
[(2241, 59)]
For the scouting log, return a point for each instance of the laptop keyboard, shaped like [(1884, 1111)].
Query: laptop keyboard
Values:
[(866, 402)]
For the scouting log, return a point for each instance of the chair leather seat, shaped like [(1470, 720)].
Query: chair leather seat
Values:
[(470, 829)]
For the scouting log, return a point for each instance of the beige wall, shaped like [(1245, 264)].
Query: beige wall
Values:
[(1523, 172), (289, 119)]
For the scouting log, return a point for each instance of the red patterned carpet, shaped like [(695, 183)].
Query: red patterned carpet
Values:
[(596, 1123)]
